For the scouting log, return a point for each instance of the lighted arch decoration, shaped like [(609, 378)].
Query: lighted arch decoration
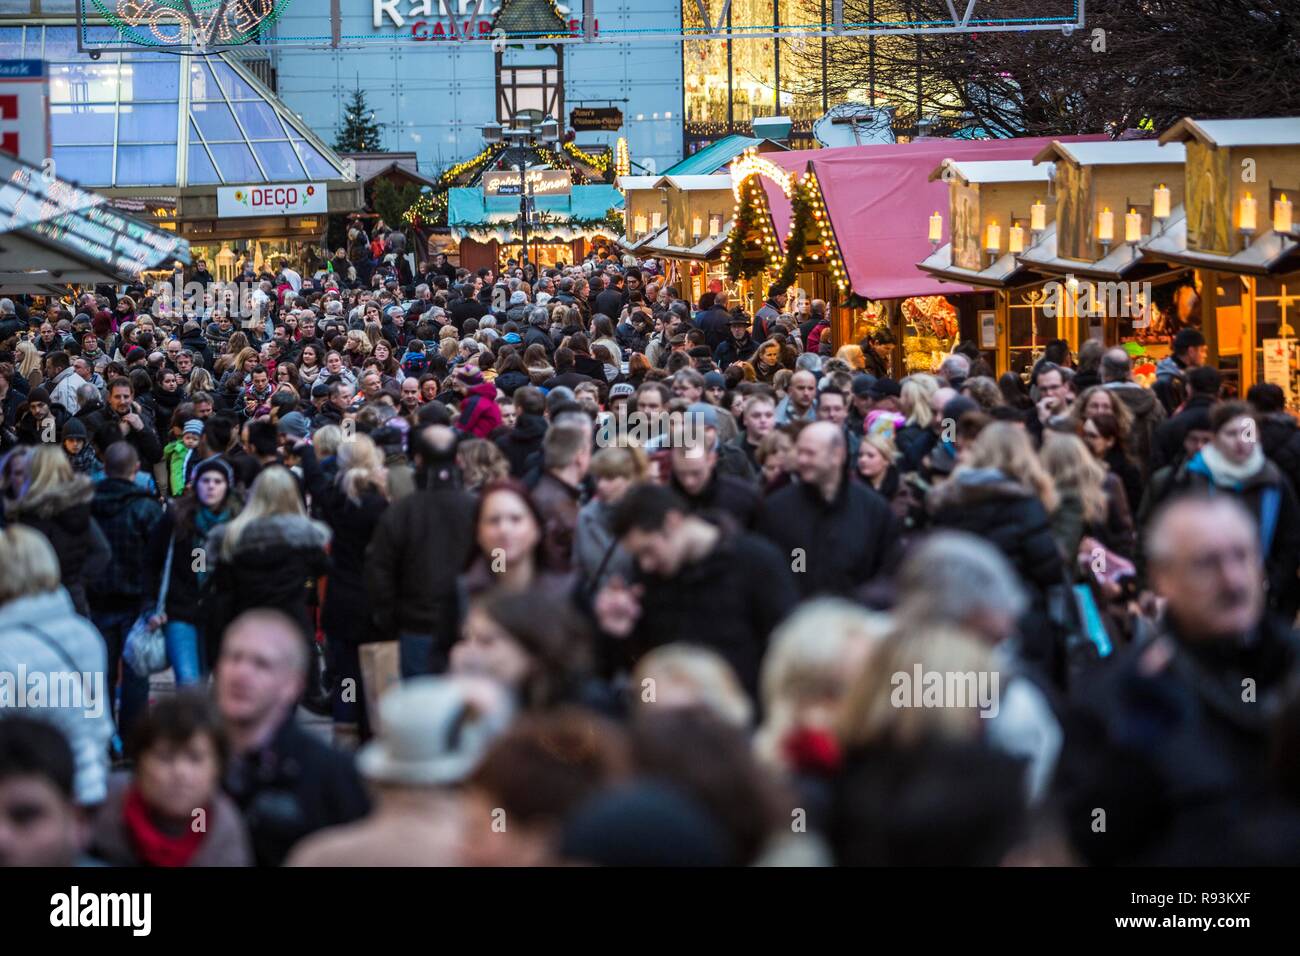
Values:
[(190, 24), (752, 224)]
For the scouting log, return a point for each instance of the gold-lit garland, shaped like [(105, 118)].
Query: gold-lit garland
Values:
[(598, 163), (623, 160), (807, 210)]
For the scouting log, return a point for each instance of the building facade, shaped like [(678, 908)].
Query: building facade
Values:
[(432, 94)]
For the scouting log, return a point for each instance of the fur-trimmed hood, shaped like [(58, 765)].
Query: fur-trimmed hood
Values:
[(973, 486), (278, 531), (76, 493)]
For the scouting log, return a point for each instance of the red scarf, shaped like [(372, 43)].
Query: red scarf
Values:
[(154, 847)]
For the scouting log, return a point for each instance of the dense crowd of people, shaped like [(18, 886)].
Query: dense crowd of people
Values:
[(578, 570)]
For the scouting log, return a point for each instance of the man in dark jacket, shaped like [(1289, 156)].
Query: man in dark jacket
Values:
[(695, 584), (566, 455), (1187, 353), (739, 345), (285, 781), (417, 552), (525, 439), (1174, 740), (697, 482), (1278, 431), (131, 421), (611, 299), (128, 515), (714, 320), (1203, 383), (838, 533)]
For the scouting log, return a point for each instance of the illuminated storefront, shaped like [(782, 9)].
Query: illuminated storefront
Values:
[(727, 85), (196, 146)]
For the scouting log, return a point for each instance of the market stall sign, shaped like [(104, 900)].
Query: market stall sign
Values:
[(605, 118), (541, 182), (279, 199)]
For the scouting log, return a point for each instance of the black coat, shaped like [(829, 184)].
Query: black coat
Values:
[(1170, 749), (78, 542), (291, 788), (1167, 441), (522, 441), (345, 615), (725, 496), (843, 543), (610, 302), (730, 600), (1280, 435), (145, 440), (128, 515), (420, 546), (273, 563), (1012, 519)]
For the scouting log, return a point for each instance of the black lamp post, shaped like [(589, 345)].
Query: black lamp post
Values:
[(523, 135)]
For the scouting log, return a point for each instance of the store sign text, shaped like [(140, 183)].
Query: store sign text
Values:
[(541, 182), (282, 199), (446, 19)]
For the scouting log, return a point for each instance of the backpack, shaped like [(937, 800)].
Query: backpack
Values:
[(415, 364)]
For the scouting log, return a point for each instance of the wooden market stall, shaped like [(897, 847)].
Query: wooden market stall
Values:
[(1237, 231), (695, 226), (848, 225)]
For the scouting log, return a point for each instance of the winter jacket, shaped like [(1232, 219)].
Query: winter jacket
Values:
[(419, 547), (836, 545), (292, 787), (597, 555), (225, 841), (271, 567), (145, 439), (1280, 436), (1170, 385), (176, 456), (509, 381), (1148, 413), (44, 634), (735, 350), (128, 516), (480, 414), (345, 615), (63, 516), (725, 498), (522, 441), (989, 505), (558, 503), (729, 600), (1167, 742), (1269, 497)]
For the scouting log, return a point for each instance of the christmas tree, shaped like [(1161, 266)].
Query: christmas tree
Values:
[(360, 133)]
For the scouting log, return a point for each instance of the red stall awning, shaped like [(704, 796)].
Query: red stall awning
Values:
[(880, 198)]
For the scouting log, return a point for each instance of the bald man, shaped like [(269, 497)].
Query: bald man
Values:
[(800, 397), (286, 782), (1172, 739), (837, 533)]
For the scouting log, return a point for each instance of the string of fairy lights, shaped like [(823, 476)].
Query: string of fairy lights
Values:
[(752, 227)]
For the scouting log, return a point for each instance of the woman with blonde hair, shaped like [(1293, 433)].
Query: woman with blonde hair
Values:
[(266, 555), (682, 676), (877, 465), (242, 367), (56, 502), (352, 504), (806, 675), (1092, 502), (30, 363), (229, 359), (883, 709), (480, 462), (200, 381), (853, 357), (1003, 494)]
